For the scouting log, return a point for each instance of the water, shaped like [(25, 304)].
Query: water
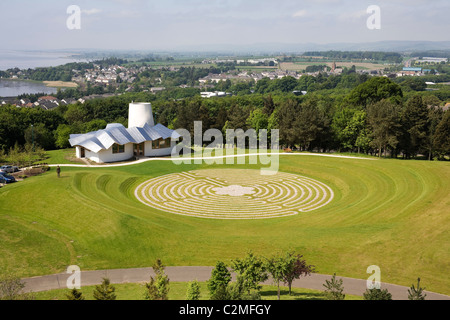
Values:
[(33, 59), (13, 88), (29, 59)]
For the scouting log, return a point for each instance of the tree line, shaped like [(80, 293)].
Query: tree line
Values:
[(392, 57), (376, 117)]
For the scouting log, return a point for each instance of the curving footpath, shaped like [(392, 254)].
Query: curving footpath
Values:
[(184, 274), (206, 158)]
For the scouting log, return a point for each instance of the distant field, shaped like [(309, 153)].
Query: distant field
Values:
[(60, 84), (390, 213), (298, 66)]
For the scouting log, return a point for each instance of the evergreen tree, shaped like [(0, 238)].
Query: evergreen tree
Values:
[(414, 121), (416, 293), (105, 291), (442, 136), (158, 287), (75, 294), (193, 291), (334, 289), (384, 123), (377, 294)]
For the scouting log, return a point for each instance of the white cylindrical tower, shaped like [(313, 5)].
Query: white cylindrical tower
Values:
[(140, 114)]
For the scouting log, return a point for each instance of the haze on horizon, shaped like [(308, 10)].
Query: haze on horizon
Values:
[(203, 24)]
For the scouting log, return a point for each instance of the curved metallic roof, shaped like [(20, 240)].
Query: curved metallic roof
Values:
[(116, 133)]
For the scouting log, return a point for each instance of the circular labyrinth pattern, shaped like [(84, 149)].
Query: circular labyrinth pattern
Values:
[(234, 194)]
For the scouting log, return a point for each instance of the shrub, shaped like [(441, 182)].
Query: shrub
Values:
[(158, 288), (75, 295), (416, 293), (193, 291), (334, 289), (105, 291), (377, 294), (11, 288)]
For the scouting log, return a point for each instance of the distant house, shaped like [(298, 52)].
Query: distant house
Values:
[(157, 89), (47, 98), (412, 69)]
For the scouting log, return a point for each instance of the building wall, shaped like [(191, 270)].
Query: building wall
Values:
[(107, 156), (78, 152), (149, 152)]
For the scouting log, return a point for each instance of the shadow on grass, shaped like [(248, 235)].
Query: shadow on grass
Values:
[(284, 295)]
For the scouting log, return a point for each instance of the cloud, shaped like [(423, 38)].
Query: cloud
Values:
[(299, 14), (355, 15), (91, 11)]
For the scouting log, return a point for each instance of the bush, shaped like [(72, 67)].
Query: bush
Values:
[(105, 291), (377, 294), (416, 293), (158, 288), (75, 295), (334, 289), (193, 291), (11, 288)]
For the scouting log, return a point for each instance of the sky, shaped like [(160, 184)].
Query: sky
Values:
[(208, 24)]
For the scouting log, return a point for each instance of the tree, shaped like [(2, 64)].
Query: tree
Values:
[(278, 267), (414, 120), (75, 294), (235, 291), (62, 136), (269, 105), (257, 120), (220, 278), (40, 136), (435, 116), (334, 289), (416, 293), (251, 270), (158, 287), (193, 291), (105, 291), (384, 122), (287, 114), (297, 267), (375, 90), (309, 124), (11, 288), (377, 294), (442, 136)]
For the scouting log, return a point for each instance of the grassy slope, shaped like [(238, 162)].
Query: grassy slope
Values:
[(390, 213)]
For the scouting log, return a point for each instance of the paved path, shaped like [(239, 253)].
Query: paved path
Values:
[(184, 274), (206, 158)]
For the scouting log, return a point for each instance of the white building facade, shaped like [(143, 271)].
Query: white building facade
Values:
[(116, 143)]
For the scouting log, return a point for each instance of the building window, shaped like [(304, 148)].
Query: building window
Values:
[(117, 148), (161, 144)]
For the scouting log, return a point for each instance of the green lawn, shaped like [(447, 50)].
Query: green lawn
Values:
[(390, 213), (64, 156), (136, 291)]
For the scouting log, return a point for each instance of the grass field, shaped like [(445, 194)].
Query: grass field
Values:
[(298, 66), (390, 213), (60, 84), (135, 291)]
